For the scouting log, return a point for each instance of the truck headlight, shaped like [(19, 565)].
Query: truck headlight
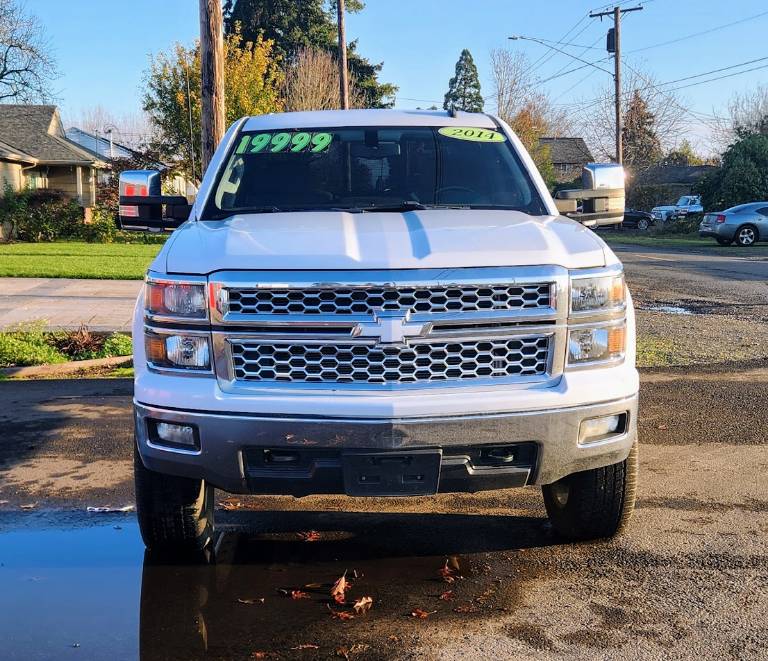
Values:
[(597, 294), (178, 351), (597, 344), (169, 298)]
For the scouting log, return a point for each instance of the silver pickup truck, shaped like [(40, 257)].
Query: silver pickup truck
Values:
[(381, 303)]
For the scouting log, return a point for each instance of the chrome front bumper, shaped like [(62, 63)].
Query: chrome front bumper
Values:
[(228, 441)]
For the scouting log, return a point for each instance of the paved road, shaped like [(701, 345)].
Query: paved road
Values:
[(687, 581), (704, 282), (103, 305)]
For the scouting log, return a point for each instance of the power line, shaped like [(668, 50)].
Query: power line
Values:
[(699, 34)]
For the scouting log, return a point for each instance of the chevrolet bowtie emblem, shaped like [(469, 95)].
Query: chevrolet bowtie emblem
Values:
[(390, 326)]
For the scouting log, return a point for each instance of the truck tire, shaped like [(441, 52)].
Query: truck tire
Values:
[(723, 241), (595, 503), (175, 513)]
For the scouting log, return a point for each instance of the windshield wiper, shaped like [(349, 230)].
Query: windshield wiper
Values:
[(405, 205)]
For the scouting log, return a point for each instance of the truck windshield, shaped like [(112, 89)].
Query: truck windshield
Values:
[(372, 169)]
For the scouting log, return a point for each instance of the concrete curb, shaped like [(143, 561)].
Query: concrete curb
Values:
[(72, 367)]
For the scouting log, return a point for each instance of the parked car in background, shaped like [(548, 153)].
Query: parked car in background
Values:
[(685, 205), (640, 220), (744, 224)]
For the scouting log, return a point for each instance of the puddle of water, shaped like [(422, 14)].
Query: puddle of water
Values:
[(669, 309), (70, 594), (94, 593)]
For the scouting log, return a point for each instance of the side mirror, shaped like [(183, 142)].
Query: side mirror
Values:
[(144, 208), (602, 196)]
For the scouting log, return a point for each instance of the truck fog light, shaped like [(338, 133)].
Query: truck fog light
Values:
[(598, 344), (175, 434), (597, 428)]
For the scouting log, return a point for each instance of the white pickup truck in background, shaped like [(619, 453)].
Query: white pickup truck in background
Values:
[(381, 303), (687, 204)]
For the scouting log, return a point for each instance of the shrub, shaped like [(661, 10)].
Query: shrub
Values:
[(644, 198), (27, 345), (117, 344), (30, 344), (102, 228), (40, 215), (686, 225)]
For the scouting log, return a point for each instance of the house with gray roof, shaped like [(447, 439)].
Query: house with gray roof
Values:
[(568, 156), (35, 153)]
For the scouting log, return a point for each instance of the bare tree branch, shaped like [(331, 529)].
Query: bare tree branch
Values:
[(596, 117), (312, 83), (26, 65)]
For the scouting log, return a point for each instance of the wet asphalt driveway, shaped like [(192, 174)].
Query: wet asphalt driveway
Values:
[(688, 580)]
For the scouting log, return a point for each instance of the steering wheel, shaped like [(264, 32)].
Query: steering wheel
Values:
[(455, 189)]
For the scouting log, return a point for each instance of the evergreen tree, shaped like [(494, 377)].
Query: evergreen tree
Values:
[(642, 147), (743, 176), (293, 25), (464, 88), (683, 155)]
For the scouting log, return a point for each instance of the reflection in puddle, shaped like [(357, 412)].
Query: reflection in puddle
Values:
[(92, 592), (668, 309)]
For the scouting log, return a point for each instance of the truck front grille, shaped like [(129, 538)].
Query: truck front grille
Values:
[(295, 361), (367, 300)]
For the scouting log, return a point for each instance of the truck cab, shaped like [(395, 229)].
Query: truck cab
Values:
[(380, 303)]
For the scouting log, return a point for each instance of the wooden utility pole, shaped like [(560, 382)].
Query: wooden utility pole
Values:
[(616, 14), (212, 78), (343, 77), (617, 83)]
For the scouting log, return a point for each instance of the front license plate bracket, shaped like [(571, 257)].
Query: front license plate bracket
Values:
[(412, 473)]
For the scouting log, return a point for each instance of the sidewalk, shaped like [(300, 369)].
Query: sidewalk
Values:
[(102, 305)]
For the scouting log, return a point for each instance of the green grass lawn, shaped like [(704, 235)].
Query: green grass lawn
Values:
[(680, 241), (65, 259)]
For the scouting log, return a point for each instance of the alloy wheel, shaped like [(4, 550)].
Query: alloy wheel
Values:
[(746, 236)]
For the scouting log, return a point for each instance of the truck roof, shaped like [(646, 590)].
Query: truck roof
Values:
[(328, 118)]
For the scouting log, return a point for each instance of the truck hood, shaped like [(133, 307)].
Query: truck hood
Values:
[(435, 238), (668, 207)]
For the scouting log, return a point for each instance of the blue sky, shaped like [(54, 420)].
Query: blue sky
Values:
[(104, 47)]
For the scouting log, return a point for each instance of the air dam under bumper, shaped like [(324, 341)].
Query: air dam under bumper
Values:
[(307, 453)]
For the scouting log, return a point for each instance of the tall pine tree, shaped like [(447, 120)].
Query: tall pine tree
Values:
[(464, 88), (642, 147)]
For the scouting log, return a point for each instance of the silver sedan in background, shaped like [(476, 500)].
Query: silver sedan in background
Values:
[(744, 224)]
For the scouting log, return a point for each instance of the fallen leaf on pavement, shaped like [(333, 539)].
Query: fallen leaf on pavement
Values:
[(343, 652), (313, 586), (309, 536), (259, 655), (299, 594), (306, 646), (448, 573), (363, 605), (421, 614), (339, 589), (447, 595), (251, 601), (231, 504), (342, 615)]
